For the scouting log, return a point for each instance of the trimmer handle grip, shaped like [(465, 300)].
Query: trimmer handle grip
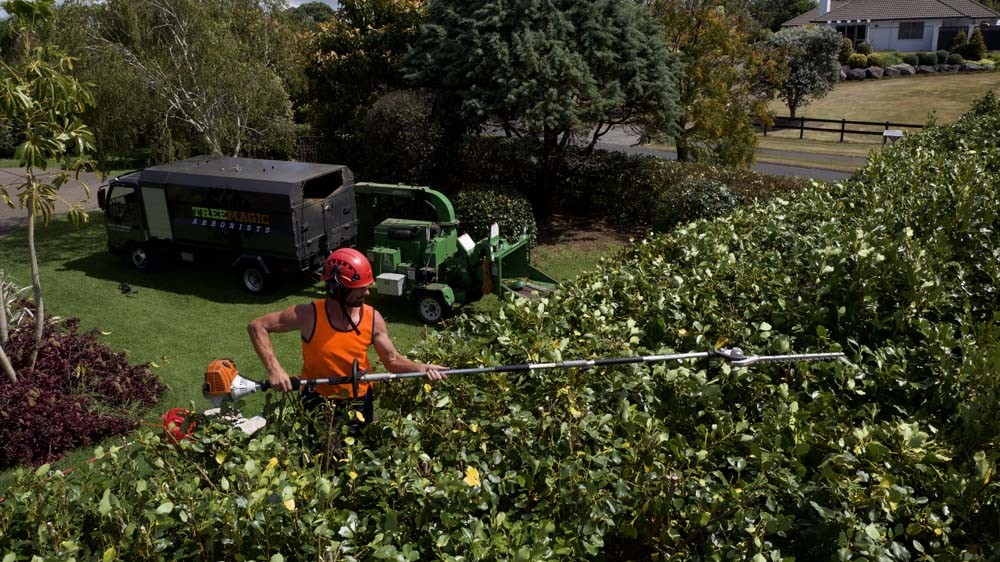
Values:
[(296, 384)]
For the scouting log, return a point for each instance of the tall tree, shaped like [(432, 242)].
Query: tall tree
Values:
[(357, 58), (186, 75), (42, 103), (726, 82), (553, 70), (813, 68), (772, 13), (312, 12)]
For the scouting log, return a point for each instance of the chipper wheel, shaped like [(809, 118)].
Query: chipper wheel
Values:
[(431, 308)]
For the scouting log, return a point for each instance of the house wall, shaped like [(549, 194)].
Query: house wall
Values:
[(883, 36)]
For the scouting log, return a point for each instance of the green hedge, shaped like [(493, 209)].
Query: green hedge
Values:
[(626, 188), (478, 208)]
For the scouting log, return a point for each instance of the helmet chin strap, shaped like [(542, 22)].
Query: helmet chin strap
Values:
[(339, 292)]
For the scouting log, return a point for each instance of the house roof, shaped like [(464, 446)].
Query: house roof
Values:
[(852, 10)]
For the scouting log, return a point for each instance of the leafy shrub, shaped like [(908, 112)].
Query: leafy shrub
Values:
[(401, 138), (942, 56), (927, 59), (864, 47), (874, 59), (846, 50), (955, 58), (976, 47), (478, 208), (889, 58), (690, 200), (857, 60), (626, 188), (79, 393), (960, 40), (911, 59)]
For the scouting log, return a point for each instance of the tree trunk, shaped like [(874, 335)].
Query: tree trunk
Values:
[(7, 368), (36, 283), (683, 150), (545, 202), (4, 323)]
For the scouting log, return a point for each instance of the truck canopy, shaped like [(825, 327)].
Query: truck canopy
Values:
[(293, 179)]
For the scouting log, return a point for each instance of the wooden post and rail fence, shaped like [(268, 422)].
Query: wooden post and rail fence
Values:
[(889, 131)]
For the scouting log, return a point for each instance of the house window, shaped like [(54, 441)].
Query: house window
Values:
[(856, 33), (911, 30)]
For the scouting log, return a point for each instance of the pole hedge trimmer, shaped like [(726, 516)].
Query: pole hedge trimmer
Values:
[(223, 381)]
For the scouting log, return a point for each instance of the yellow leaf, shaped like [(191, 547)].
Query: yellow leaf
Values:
[(154, 365), (719, 343), (938, 531), (289, 504), (682, 331), (427, 388), (352, 474), (358, 415), (220, 457), (103, 333), (471, 476), (474, 427), (576, 413), (272, 463)]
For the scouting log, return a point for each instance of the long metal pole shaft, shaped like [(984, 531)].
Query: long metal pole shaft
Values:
[(734, 356)]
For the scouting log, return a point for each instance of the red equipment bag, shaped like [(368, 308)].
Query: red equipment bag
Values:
[(176, 425)]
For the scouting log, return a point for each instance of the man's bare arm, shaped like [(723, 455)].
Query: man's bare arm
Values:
[(393, 360), (260, 330)]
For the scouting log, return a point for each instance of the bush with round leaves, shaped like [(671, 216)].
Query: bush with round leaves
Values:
[(479, 207), (846, 50), (942, 55), (955, 58), (927, 59), (911, 59), (693, 199), (864, 47), (874, 59), (401, 138), (857, 60)]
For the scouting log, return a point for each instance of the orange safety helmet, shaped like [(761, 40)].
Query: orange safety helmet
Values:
[(348, 268)]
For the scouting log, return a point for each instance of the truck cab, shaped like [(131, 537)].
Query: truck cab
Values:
[(122, 207)]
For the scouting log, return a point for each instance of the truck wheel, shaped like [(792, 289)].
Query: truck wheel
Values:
[(141, 257), (431, 308), (255, 281)]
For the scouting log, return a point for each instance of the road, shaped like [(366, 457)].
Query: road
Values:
[(623, 141), (618, 140), (72, 192)]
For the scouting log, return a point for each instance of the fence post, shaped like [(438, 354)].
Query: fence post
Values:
[(802, 127), (843, 125)]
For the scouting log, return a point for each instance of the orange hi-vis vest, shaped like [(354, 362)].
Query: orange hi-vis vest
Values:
[(330, 352)]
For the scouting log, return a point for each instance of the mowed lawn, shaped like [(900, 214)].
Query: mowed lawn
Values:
[(900, 100)]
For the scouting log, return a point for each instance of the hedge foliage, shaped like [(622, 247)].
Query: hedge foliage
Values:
[(477, 209), (890, 455), (626, 188)]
